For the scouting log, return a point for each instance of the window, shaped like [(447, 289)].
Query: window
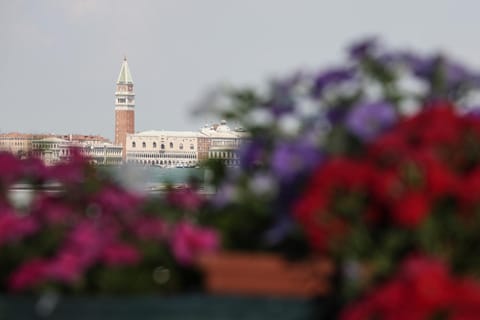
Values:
[(181, 146), (144, 145), (171, 145), (191, 146), (121, 100), (155, 145), (162, 146), (134, 145)]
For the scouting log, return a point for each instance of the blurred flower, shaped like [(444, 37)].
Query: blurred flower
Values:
[(66, 267), (115, 254), (189, 241), (147, 228), (331, 77), (428, 288), (362, 48), (262, 184), (29, 274), (291, 159), (185, 198), (368, 120), (14, 227)]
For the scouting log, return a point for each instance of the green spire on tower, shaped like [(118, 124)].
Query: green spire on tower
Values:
[(124, 77)]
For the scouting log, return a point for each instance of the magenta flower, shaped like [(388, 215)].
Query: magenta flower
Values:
[(116, 254), (186, 198), (28, 275), (35, 168), (113, 199), (10, 168), (51, 211), (149, 228), (14, 227), (188, 241), (67, 267)]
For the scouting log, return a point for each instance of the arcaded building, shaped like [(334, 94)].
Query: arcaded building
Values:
[(163, 148), (184, 148)]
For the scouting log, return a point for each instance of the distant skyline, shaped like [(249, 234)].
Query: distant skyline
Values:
[(59, 60)]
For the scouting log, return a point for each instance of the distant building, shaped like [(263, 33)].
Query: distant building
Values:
[(163, 148), (16, 143), (56, 148), (223, 142), (184, 148), (124, 107), (53, 150)]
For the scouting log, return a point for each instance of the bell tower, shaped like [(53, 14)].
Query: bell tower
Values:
[(124, 106)]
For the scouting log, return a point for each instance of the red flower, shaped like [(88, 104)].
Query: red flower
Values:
[(411, 210), (421, 288)]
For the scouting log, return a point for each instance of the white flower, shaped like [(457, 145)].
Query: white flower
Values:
[(259, 117), (289, 125), (262, 184)]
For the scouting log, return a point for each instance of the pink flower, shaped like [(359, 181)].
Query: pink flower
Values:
[(35, 168), (67, 266), (188, 241), (28, 275), (10, 167), (113, 199), (51, 211), (185, 198), (86, 241), (14, 227), (86, 235), (120, 254), (149, 228)]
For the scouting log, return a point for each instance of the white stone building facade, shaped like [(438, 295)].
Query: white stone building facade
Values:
[(163, 148), (184, 148)]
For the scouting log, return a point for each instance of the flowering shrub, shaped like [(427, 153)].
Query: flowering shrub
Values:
[(88, 233), (422, 288), (378, 161), (298, 122), (413, 189)]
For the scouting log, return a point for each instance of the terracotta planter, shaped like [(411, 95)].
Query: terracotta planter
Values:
[(265, 274)]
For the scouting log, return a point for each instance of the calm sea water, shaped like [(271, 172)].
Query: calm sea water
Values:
[(155, 178), (150, 179), (173, 175)]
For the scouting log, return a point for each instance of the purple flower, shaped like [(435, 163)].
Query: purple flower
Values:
[(474, 112), (251, 154), (368, 120), (361, 49), (336, 115), (225, 195), (425, 68), (290, 160), (329, 77)]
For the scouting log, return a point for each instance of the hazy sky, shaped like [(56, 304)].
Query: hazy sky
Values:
[(59, 59)]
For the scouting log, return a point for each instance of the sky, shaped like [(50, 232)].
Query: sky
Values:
[(59, 60)]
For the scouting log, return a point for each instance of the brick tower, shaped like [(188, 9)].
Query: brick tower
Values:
[(124, 106)]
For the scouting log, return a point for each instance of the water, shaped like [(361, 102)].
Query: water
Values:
[(156, 178), (157, 175)]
